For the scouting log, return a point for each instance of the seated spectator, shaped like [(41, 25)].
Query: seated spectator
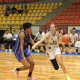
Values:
[(12, 41), (78, 36), (61, 34), (39, 36), (13, 10), (13, 32), (25, 9), (6, 37), (6, 13), (21, 9), (21, 29), (74, 38), (8, 9)]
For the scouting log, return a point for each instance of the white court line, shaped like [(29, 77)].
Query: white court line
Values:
[(39, 65), (42, 61)]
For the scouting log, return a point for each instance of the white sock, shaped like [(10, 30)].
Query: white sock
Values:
[(63, 50), (65, 74), (70, 49)]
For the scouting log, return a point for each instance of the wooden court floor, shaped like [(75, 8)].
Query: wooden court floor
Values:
[(43, 69)]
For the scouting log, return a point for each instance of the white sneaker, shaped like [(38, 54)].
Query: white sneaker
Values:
[(63, 52), (10, 50), (31, 78), (6, 49), (16, 73)]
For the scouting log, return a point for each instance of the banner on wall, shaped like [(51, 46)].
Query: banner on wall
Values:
[(70, 28)]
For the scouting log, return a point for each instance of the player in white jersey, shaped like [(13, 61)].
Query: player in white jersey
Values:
[(52, 49), (74, 38)]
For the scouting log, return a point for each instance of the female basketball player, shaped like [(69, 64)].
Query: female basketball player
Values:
[(21, 51), (52, 49)]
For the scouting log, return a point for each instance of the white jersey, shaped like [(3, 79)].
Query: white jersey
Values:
[(72, 36), (52, 45)]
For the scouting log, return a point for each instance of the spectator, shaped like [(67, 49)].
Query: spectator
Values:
[(39, 36), (12, 42), (21, 29), (8, 9), (21, 9), (6, 13), (25, 9), (6, 37), (13, 32), (61, 34), (78, 36), (13, 10), (74, 38)]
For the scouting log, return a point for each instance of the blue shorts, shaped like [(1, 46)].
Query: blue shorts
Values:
[(18, 55)]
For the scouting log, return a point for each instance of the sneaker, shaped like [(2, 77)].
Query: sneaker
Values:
[(16, 73), (10, 50), (37, 50), (68, 78), (6, 49), (63, 52), (71, 52), (31, 78), (76, 53)]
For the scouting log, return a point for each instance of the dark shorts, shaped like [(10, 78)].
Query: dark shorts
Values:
[(18, 55)]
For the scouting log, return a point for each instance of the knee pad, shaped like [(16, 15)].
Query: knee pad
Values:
[(55, 64)]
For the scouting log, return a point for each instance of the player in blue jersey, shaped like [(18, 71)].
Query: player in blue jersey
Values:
[(21, 51)]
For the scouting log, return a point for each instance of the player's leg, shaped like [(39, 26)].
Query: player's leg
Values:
[(59, 60), (31, 62), (63, 48), (24, 67), (70, 47), (55, 64)]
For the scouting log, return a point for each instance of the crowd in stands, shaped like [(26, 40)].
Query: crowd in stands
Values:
[(10, 40), (13, 10)]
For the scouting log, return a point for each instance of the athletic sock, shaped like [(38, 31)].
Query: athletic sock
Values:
[(70, 49), (65, 74), (63, 50), (30, 73), (18, 69)]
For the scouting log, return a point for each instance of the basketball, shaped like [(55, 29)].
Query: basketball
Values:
[(66, 38)]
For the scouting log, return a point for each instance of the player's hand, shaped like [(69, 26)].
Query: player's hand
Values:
[(33, 47), (45, 44)]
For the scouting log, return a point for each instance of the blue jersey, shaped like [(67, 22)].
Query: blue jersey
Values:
[(25, 45)]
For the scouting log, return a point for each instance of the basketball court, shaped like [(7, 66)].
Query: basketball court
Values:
[(43, 69)]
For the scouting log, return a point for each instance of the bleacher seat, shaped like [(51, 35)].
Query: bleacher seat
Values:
[(53, 21), (53, 18), (48, 22), (62, 22), (63, 17), (72, 17)]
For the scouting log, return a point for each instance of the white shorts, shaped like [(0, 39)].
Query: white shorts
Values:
[(51, 54)]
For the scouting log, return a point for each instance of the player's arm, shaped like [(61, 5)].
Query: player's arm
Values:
[(32, 42), (22, 36), (60, 40), (39, 42)]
